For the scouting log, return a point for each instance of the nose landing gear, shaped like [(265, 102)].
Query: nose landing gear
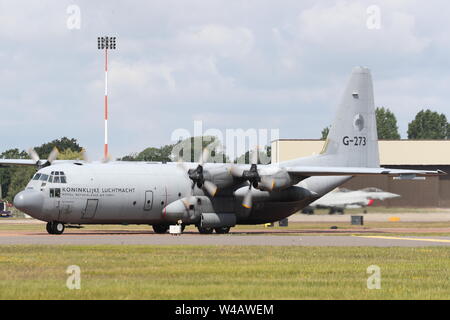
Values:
[(55, 227)]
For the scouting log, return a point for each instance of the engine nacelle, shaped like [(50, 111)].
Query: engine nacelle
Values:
[(278, 181), (188, 209), (220, 176)]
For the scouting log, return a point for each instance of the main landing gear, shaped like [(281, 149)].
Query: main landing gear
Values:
[(222, 230), (55, 227)]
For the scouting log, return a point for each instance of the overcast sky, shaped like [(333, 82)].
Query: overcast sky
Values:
[(232, 64)]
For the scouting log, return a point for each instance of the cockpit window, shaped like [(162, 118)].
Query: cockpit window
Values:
[(57, 177), (44, 177), (36, 176)]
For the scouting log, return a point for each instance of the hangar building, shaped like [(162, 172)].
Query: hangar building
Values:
[(407, 154)]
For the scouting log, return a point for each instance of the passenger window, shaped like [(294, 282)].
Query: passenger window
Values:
[(44, 177), (37, 176)]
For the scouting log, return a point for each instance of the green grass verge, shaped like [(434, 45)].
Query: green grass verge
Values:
[(188, 272)]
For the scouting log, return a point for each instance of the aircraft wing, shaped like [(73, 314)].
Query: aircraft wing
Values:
[(360, 171), (30, 162), (17, 162)]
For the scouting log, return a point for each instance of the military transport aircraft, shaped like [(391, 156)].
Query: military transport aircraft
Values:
[(209, 196)]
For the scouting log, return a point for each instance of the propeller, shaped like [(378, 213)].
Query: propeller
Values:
[(197, 175), (51, 157), (252, 176)]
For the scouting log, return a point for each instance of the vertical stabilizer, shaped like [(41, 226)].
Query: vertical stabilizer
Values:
[(352, 140)]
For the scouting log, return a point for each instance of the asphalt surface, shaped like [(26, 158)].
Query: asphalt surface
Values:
[(233, 239), (251, 237)]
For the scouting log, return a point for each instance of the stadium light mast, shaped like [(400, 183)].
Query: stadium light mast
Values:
[(105, 43)]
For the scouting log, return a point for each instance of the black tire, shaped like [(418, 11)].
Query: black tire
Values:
[(49, 228), (55, 227), (160, 228), (205, 230), (222, 230)]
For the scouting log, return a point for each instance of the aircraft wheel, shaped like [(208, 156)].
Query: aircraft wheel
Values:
[(222, 230), (160, 228), (205, 230), (49, 227), (55, 227)]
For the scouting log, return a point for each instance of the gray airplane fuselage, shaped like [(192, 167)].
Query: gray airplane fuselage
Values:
[(138, 193)]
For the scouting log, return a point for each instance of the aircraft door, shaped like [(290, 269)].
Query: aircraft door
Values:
[(90, 209), (148, 203)]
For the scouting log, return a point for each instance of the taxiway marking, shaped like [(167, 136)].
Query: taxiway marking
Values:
[(410, 239)]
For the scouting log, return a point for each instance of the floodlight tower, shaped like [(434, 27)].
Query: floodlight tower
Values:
[(106, 43)]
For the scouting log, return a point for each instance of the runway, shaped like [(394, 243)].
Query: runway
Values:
[(232, 239), (385, 235)]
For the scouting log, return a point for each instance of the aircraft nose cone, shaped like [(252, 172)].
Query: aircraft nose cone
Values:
[(29, 201)]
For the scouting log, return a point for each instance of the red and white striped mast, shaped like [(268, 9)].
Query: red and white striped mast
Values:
[(106, 43)]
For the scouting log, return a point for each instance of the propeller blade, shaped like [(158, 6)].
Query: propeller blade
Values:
[(236, 171), (254, 156), (210, 187), (53, 155), (268, 183), (182, 166), (84, 155), (247, 202), (188, 202), (204, 156), (33, 155)]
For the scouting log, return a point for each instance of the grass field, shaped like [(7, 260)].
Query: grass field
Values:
[(152, 272)]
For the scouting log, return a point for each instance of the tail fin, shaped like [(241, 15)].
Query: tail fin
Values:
[(352, 140)]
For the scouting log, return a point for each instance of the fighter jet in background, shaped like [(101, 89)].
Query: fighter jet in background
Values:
[(342, 198), (210, 196)]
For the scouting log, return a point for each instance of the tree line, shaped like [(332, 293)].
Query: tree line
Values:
[(14, 179), (427, 125)]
